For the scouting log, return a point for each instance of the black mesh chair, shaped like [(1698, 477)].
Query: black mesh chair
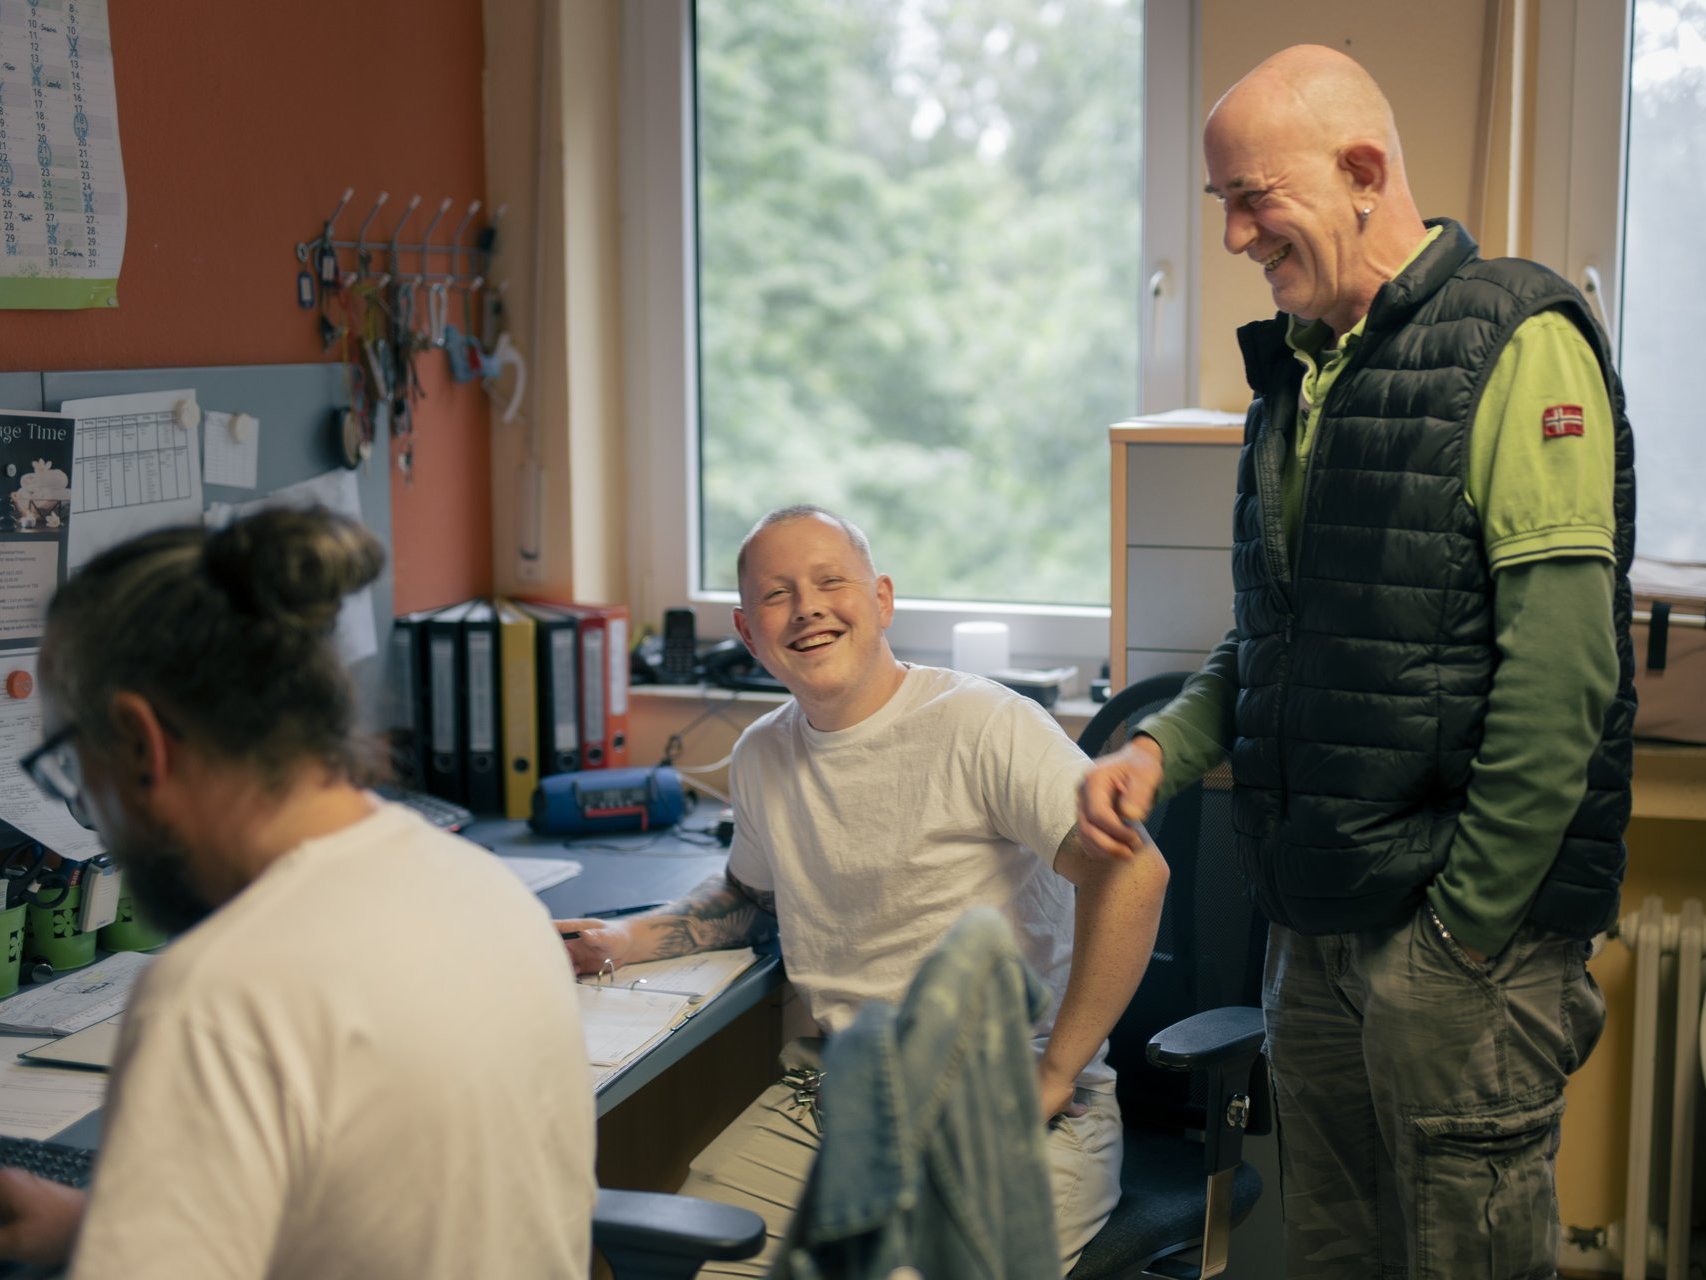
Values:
[(1188, 1048)]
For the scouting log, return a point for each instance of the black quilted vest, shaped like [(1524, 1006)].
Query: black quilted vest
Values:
[(1364, 669)]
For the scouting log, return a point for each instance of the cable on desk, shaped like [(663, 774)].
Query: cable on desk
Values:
[(681, 835)]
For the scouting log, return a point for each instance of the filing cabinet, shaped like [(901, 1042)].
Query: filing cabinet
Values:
[(1171, 597)]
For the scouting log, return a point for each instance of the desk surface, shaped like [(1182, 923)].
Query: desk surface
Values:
[(626, 871), (616, 872)]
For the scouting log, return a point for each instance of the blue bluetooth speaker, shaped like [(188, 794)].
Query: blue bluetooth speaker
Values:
[(595, 801)]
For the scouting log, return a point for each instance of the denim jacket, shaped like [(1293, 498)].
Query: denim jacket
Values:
[(932, 1152)]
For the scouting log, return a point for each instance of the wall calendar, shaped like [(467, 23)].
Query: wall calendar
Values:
[(62, 197)]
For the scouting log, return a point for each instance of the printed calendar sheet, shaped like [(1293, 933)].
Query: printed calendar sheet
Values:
[(62, 196)]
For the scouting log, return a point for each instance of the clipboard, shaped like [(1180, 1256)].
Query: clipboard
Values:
[(92, 1048)]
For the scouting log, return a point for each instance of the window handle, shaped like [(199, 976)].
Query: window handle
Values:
[(1593, 289), (1157, 290)]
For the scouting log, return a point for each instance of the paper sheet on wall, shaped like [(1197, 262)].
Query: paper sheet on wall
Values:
[(35, 519), (21, 803), (356, 636), (62, 195), (231, 458), (136, 469)]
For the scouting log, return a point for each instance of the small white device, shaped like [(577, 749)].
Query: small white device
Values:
[(102, 882)]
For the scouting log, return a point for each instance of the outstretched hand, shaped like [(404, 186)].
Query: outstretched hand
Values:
[(38, 1218), (1119, 790)]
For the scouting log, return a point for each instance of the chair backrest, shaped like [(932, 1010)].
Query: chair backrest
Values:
[(1208, 952)]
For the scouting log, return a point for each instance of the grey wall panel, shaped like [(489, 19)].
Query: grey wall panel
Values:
[(1140, 664), (1177, 598), (20, 391), (294, 403), (1180, 495)]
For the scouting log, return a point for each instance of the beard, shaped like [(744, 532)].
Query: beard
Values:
[(157, 876)]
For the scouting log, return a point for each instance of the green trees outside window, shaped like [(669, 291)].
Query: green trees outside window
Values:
[(918, 248)]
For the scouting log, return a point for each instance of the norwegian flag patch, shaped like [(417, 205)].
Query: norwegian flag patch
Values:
[(1560, 420)]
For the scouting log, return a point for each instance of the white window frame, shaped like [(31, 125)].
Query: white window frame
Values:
[(659, 330), (1581, 137)]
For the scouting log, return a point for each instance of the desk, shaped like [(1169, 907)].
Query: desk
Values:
[(617, 871), (624, 871)]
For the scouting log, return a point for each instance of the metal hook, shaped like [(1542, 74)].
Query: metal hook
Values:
[(456, 249), (361, 234), (397, 231), (426, 239), (349, 193)]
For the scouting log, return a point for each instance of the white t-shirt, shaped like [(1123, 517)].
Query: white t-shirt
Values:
[(875, 839), (369, 1063)]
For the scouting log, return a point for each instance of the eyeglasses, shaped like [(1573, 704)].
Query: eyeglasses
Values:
[(55, 769)]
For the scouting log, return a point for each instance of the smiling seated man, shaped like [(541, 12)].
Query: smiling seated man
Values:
[(870, 813)]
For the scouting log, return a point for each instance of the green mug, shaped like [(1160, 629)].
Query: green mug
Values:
[(51, 936), (129, 931), (12, 935)]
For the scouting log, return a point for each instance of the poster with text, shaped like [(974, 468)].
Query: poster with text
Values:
[(35, 519), (62, 194)]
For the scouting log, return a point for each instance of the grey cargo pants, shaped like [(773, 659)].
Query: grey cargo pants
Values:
[(1419, 1097)]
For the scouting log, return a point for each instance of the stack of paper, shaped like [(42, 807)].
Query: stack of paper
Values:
[(625, 1016), (621, 1024), (539, 874), (76, 1000), (37, 1102)]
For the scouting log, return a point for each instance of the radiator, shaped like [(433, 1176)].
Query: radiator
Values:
[(1668, 950)]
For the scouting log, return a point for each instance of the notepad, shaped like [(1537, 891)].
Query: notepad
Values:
[(698, 977), (92, 1048), (621, 1024), (75, 1000), (625, 1016)]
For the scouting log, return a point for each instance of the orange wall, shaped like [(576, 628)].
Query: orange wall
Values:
[(241, 124)]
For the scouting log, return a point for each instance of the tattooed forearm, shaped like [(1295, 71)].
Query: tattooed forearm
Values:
[(718, 913)]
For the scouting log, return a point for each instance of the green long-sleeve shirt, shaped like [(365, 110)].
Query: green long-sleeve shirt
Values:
[(1557, 672), (1546, 512)]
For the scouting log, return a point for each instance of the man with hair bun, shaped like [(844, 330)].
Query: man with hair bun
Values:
[(290, 1097)]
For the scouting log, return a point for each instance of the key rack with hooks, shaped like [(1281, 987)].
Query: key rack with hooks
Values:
[(465, 264), (385, 301)]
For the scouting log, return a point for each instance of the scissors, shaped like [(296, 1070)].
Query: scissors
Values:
[(27, 882)]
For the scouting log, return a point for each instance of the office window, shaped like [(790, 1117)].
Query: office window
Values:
[(1664, 273), (918, 278)]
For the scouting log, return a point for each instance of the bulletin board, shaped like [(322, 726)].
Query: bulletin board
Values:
[(295, 406)]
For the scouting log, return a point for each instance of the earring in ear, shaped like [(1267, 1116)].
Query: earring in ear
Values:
[(1363, 215)]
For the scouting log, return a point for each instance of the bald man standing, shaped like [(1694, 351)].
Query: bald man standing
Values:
[(1427, 693)]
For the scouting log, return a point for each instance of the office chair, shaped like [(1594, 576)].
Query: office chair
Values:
[(647, 1235), (1188, 1047)]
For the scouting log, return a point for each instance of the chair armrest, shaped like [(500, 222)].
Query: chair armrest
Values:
[(1213, 1038), (655, 1222)]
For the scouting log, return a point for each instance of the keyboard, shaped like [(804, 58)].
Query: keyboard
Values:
[(443, 814), (58, 1163)]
